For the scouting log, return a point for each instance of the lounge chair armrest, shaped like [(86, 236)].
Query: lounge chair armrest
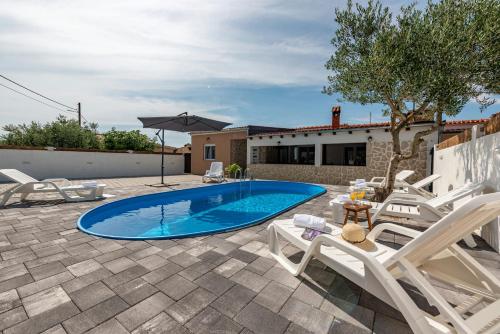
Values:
[(377, 230), (377, 179), (331, 241)]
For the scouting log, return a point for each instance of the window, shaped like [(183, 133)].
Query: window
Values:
[(209, 152), (302, 155), (344, 154)]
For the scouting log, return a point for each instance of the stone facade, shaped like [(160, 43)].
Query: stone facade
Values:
[(239, 152), (378, 156)]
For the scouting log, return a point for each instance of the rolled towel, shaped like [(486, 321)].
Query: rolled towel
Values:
[(312, 222), (344, 198)]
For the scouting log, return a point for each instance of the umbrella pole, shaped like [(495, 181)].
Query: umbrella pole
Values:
[(162, 154)]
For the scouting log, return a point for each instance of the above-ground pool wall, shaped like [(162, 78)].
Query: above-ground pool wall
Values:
[(42, 164)]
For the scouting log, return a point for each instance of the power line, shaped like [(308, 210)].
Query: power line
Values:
[(45, 97), (30, 97)]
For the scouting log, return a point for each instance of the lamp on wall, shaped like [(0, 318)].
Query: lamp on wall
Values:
[(208, 138), (370, 139), (279, 143)]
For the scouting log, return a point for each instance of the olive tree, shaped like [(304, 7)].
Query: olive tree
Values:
[(421, 64)]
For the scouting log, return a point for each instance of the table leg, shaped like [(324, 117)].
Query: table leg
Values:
[(346, 217), (356, 217), (369, 219)]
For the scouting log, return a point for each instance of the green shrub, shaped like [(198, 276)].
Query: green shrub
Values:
[(63, 132), (128, 140)]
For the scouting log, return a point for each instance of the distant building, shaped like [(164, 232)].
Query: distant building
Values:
[(228, 146)]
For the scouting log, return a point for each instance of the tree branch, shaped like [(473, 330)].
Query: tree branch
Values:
[(417, 139)]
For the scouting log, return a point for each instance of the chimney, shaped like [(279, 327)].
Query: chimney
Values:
[(336, 117)]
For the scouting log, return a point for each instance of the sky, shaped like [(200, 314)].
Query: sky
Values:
[(257, 62)]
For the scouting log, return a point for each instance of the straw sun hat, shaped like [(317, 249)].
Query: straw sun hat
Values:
[(355, 234)]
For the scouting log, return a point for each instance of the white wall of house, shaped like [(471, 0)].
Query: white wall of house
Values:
[(477, 161), (342, 136), (75, 165)]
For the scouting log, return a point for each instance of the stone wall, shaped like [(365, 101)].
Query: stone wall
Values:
[(378, 157), (239, 152)]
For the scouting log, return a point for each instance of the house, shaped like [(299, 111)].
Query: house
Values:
[(228, 146), (335, 153)]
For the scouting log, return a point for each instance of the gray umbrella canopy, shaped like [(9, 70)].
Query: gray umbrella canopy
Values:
[(180, 123), (183, 123)]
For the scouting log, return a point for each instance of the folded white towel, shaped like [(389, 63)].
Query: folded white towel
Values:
[(344, 198), (313, 222)]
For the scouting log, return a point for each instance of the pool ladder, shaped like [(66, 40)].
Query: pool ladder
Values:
[(246, 175)]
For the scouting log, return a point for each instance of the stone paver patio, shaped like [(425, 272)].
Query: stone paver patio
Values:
[(56, 279)]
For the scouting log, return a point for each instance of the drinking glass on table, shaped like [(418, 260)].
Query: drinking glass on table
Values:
[(353, 195)]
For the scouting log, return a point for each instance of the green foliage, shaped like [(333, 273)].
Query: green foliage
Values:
[(128, 140), (63, 132), (438, 58), (232, 169)]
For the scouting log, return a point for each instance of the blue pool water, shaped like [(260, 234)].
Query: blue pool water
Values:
[(196, 211)]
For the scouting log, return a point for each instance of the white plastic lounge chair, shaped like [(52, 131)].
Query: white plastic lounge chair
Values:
[(418, 207), (432, 253), (26, 185), (216, 172), (379, 181), (417, 188)]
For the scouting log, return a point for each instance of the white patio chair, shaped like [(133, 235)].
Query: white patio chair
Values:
[(418, 207), (215, 173), (379, 181), (26, 185), (417, 188), (432, 253)]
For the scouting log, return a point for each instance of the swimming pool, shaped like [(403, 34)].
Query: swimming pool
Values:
[(196, 211)]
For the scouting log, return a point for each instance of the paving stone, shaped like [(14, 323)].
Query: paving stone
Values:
[(125, 276), (105, 245), (261, 265), (387, 325), (162, 273), (24, 252), (196, 270), (214, 283), (349, 318), (309, 293), (107, 257), (84, 267), (109, 327), (199, 250), (176, 286), (107, 309), (243, 256), (91, 295), (212, 321), (172, 251), (58, 329), (47, 270), (283, 276), (231, 302), (213, 257), (82, 281), (12, 272), (161, 324), (273, 296), (296, 329), (183, 259), (15, 282), (261, 320), (307, 316), (120, 264), (344, 289), (45, 300), (12, 317), (143, 311), (250, 280), (144, 253), (152, 262), (45, 320), (369, 301), (78, 324), (45, 283), (230, 267), (189, 306), (9, 300), (135, 291)]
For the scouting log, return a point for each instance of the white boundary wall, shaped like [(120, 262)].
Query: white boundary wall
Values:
[(478, 161), (84, 165)]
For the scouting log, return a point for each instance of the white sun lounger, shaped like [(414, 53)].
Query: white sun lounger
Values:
[(417, 188), (26, 185), (431, 253), (418, 207), (216, 172), (379, 181)]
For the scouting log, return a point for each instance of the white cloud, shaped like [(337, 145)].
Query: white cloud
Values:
[(88, 50)]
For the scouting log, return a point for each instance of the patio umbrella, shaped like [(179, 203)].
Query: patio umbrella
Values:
[(180, 123)]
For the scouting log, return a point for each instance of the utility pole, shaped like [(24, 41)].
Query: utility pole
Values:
[(79, 114)]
